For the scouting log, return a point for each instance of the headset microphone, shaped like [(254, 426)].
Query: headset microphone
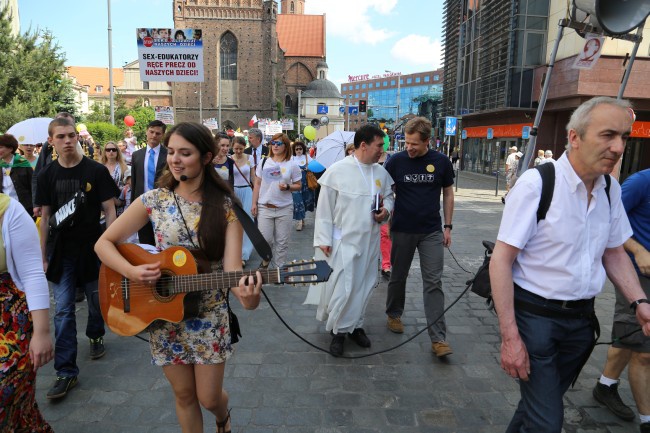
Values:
[(183, 178)]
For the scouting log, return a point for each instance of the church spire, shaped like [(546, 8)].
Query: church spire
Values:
[(295, 7)]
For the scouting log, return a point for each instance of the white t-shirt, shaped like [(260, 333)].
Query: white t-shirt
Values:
[(273, 174), (301, 160)]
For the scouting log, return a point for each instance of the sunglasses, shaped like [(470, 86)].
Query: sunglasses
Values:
[(277, 143), (110, 150)]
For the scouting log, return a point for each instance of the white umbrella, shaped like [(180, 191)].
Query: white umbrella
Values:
[(31, 131), (332, 148)]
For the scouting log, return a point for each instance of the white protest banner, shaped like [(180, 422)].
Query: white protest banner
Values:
[(165, 114), (590, 52), (273, 127), (287, 124), (174, 55), (211, 123)]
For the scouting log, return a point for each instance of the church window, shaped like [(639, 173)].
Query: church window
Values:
[(293, 8), (228, 60), (287, 101)]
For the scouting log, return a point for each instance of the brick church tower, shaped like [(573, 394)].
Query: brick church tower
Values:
[(258, 57)]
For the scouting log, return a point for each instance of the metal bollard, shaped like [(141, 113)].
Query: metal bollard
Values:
[(457, 179), (496, 191)]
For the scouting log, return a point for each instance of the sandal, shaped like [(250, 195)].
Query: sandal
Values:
[(221, 425)]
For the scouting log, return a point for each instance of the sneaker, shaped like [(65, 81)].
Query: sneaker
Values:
[(395, 325), (441, 349), (97, 349), (644, 427), (299, 226), (386, 274), (608, 395), (336, 346), (359, 336), (61, 387)]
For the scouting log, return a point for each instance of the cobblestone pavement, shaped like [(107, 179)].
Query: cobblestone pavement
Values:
[(277, 383)]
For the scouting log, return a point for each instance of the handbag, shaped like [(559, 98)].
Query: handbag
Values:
[(312, 182)]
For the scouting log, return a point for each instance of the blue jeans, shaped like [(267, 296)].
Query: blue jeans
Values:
[(556, 348), (65, 323)]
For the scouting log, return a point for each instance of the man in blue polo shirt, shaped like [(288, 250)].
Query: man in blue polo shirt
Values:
[(420, 174)]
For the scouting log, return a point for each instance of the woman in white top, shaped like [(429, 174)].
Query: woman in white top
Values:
[(303, 200), (244, 177), (25, 326), (222, 164), (276, 177), (113, 160)]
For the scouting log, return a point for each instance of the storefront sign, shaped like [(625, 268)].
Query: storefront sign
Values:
[(498, 131)]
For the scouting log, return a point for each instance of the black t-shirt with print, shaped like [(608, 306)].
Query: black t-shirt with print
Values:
[(418, 183), (57, 185)]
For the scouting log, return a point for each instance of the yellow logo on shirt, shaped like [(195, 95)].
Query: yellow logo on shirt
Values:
[(283, 170), (179, 258), (430, 168), (378, 183), (88, 187)]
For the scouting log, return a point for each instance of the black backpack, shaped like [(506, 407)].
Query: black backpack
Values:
[(480, 283)]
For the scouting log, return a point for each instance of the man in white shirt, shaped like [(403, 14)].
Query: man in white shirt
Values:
[(548, 157), (256, 149), (545, 274), (146, 167)]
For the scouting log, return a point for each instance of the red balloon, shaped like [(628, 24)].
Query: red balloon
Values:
[(230, 133), (129, 120)]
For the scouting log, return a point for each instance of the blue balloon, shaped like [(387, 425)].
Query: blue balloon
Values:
[(315, 166)]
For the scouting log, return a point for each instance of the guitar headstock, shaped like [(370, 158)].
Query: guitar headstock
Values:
[(305, 272)]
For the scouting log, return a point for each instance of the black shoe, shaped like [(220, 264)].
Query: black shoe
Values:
[(79, 296), (97, 349), (336, 346), (608, 395), (359, 336), (644, 427), (61, 387), (386, 274)]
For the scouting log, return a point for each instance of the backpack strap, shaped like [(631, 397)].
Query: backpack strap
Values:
[(608, 183), (547, 172)]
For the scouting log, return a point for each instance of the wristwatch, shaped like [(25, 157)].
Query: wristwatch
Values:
[(636, 303), (448, 226)]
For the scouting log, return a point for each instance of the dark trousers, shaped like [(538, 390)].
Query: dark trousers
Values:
[(557, 348), (431, 250)]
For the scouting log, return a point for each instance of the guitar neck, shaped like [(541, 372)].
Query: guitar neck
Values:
[(219, 280)]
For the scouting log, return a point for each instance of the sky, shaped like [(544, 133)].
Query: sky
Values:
[(363, 36)]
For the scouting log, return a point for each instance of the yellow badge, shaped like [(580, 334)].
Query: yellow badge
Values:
[(224, 168), (21, 138), (378, 183), (179, 258), (88, 187), (430, 168), (283, 170)]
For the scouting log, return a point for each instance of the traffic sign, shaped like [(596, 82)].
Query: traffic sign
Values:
[(490, 133), (525, 132), (463, 134), (341, 109), (322, 109), (353, 110), (450, 126)]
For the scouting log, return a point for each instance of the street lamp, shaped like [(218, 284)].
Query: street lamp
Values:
[(398, 89), (219, 89)]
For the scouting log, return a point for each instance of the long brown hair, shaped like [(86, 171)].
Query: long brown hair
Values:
[(211, 230)]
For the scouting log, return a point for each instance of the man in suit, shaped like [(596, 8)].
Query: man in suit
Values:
[(146, 167), (257, 149)]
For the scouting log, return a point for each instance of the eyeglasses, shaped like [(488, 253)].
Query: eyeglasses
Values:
[(110, 150), (277, 143)]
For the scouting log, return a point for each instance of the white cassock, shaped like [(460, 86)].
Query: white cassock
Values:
[(344, 221)]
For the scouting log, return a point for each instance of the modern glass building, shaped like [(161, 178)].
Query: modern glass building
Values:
[(419, 95)]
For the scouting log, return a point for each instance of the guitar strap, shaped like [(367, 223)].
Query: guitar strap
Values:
[(261, 246)]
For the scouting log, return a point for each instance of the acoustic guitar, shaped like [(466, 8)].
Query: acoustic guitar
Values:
[(129, 307)]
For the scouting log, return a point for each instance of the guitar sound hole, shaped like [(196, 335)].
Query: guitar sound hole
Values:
[(164, 290)]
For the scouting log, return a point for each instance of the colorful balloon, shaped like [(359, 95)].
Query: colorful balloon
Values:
[(230, 133), (129, 120), (315, 166), (81, 127), (309, 132), (386, 142)]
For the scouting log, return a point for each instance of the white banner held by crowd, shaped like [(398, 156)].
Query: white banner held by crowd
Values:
[(173, 55), (165, 114)]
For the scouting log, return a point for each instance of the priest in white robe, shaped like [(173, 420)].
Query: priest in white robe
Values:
[(356, 197)]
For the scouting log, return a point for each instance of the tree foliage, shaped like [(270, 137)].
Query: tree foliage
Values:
[(142, 116), (32, 82)]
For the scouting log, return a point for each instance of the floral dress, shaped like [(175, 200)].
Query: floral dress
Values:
[(204, 339)]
